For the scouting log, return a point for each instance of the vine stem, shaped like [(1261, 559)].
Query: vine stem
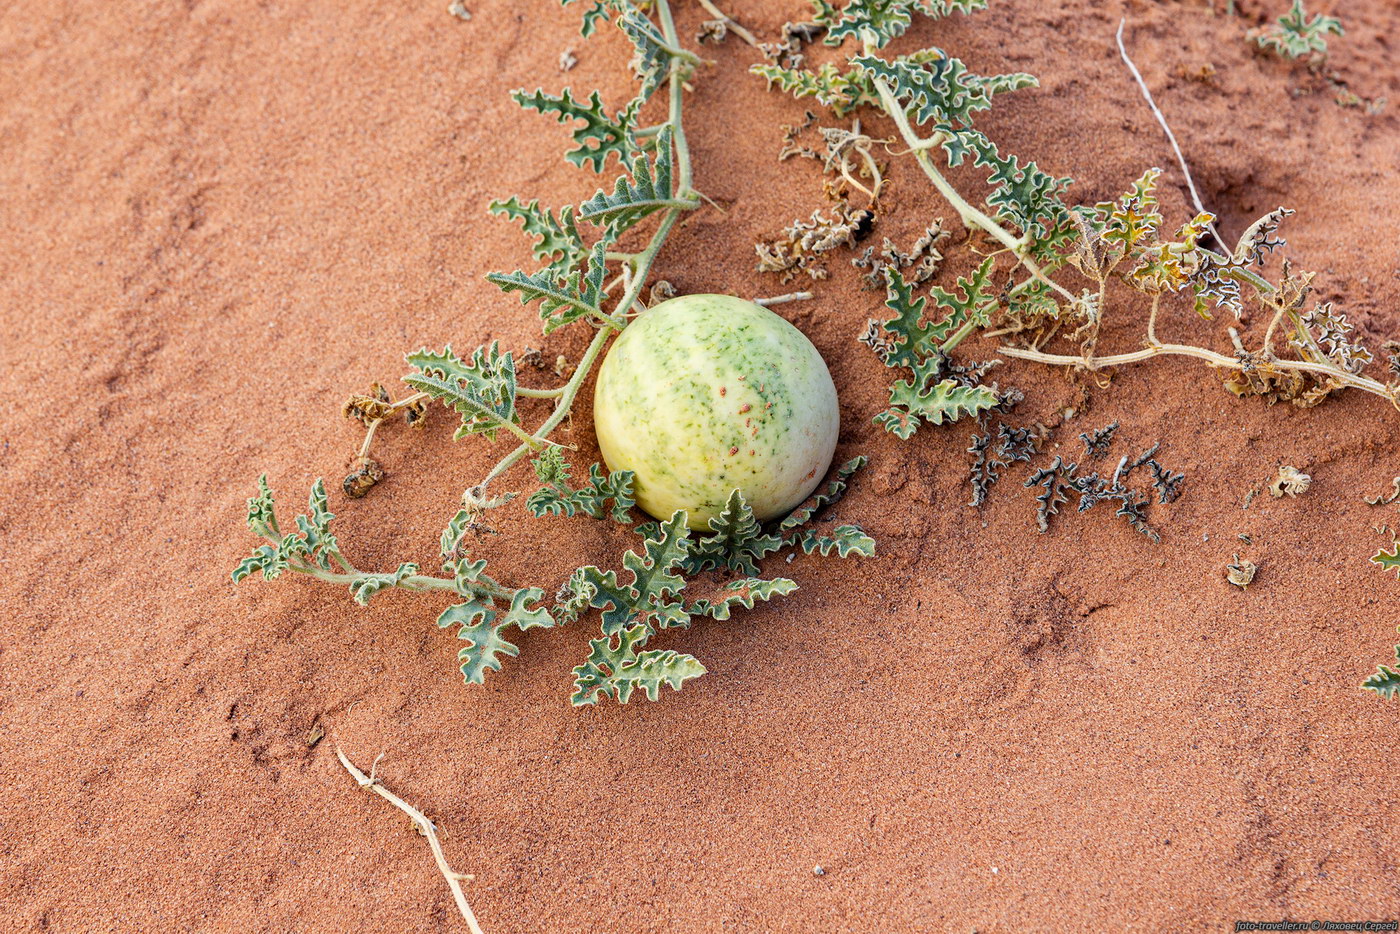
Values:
[(1200, 353), (971, 217), (426, 827), (1171, 137), (639, 263)]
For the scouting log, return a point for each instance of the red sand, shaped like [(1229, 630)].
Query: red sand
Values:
[(223, 216)]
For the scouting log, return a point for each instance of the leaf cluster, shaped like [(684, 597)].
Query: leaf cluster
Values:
[(653, 597), (1060, 479), (1295, 35), (558, 498), (938, 390)]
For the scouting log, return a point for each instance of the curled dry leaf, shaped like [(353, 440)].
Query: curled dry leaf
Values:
[(1241, 573), (1289, 481)]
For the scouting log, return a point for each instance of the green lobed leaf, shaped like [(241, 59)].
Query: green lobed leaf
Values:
[(312, 545), (599, 136), (832, 495), (1294, 35), (480, 624), (367, 585), (565, 295), (556, 240), (651, 59), (649, 597), (940, 90), (736, 540), (476, 625), (842, 91), (644, 190), (616, 668), (480, 389), (743, 593), (599, 11), (845, 540), (1389, 560), (558, 497), (923, 399), (1386, 680)]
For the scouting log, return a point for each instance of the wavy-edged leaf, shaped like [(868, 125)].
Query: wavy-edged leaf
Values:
[(558, 496), (555, 240), (736, 540), (842, 91), (939, 89), (644, 190), (312, 544), (845, 540), (481, 389), (742, 593), (367, 585), (1389, 560), (599, 136), (476, 625), (650, 596), (599, 11), (651, 58), (1294, 35), (564, 297), (828, 497), (1386, 680), (616, 667), (924, 399)]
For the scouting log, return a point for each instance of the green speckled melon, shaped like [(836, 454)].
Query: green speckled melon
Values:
[(707, 393)]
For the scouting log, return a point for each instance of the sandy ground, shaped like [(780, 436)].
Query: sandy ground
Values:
[(221, 216)]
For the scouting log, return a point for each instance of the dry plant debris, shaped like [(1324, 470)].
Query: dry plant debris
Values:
[(1241, 573), (1289, 481)]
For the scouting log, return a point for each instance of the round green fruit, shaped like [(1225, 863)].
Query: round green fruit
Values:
[(705, 394)]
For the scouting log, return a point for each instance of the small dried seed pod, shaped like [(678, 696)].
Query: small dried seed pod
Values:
[(1241, 573), (359, 482)]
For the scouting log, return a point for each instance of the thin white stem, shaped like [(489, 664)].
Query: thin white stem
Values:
[(425, 827), (1171, 137), (783, 299)]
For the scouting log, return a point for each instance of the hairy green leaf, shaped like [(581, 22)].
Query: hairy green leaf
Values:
[(939, 90), (599, 11), (736, 540), (651, 59), (845, 540), (599, 136), (936, 402), (481, 389), (1294, 35), (832, 495), (556, 240), (558, 497), (741, 593), (312, 545), (480, 624), (565, 296), (615, 668), (649, 597), (842, 91), (646, 189)]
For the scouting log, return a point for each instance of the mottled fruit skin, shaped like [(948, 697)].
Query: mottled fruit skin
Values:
[(703, 394)]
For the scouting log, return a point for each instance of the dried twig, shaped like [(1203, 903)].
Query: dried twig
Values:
[(1171, 137), (425, 827), (719, 14), (783, 299)]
